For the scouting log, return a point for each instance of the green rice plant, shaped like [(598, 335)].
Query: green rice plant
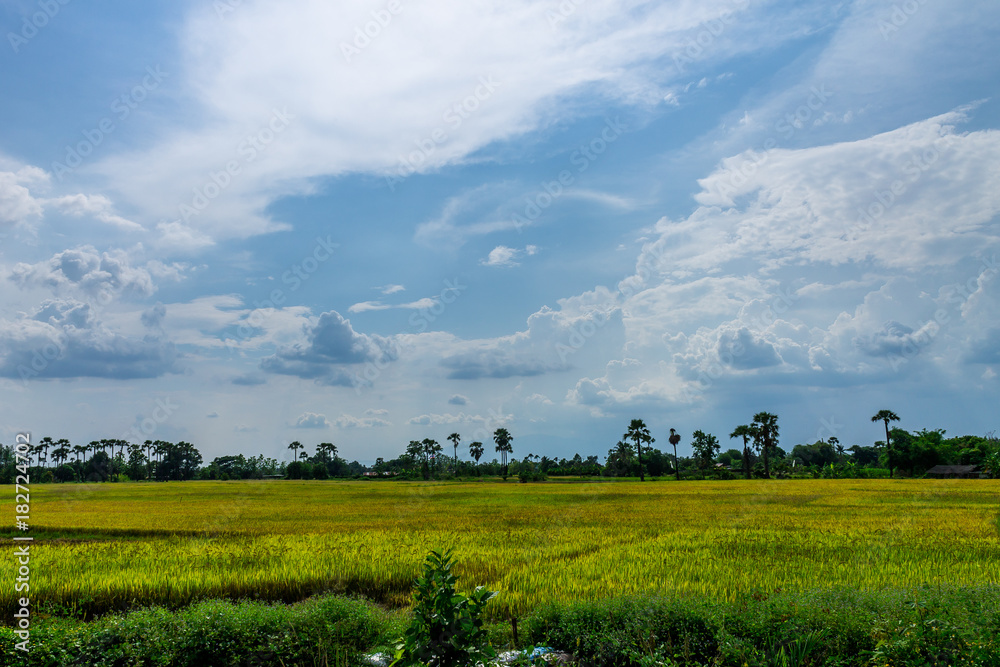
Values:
[(102, 548)]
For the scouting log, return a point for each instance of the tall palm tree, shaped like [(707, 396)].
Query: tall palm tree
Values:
[(295, 447), (674, 438), (62, 450), (455, 439), (503, 438), (148, 446), (43, 447), (638, 433), (431, 450), (476, 450), (766, 425), (80, 449), (887, 416), (746, 432)]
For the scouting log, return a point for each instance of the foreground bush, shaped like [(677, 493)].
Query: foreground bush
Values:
[(447, 627), (324, 630), (924, 627), (928, 627)]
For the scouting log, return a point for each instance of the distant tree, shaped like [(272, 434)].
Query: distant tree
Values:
[(887, 416), (673, 440), (766, 426), (415, 450), (747, 432), (43, 449), (431, 450), (62, 451), (455, 439), (503, 439), (705, 447), (476, 451), (638, 433), (295, 447), (621, 460), (180, 461), (864, 456)]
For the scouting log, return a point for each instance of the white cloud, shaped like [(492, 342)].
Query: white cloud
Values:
[(18, 206), (96, 206), (312, 420), (501, 256), (460, 418), (86, 270), (64, 339), (366, 306), (350, 422), (517, 72)]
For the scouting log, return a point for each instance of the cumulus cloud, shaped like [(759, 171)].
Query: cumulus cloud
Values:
[(878, 199), (350, 422), (63, 339), (18, 205), (98, 274), (458, 399), (311, 420), (504, 256), (330, 344)]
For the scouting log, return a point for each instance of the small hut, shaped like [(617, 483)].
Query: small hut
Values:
[(956, 472)]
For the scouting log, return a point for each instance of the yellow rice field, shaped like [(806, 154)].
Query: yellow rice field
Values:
[(113, 546)]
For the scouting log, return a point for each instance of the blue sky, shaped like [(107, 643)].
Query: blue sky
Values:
[(242, 224)]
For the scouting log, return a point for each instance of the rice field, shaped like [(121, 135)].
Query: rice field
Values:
[(115, 546)]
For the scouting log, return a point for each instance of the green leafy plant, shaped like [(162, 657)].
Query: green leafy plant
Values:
[(447, 627)]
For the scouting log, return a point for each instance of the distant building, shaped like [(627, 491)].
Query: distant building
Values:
[(956, 472)]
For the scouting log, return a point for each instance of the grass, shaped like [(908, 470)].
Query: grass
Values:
[(101, 548)]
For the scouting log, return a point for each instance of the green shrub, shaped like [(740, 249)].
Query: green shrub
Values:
[(447, 627)]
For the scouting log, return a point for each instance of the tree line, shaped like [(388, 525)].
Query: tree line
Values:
[(634, 455)]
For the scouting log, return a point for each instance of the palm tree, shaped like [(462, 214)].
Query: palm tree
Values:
[(148, 446), (303, 455), (503, 438), (746, 432), (43, 448), (455, 439), (476, 450), (295, 447), (62, 450), (134, 451), (887, 416), (674, 438), (766, 425), (80, 449), (638, 433), (92, 447), (431, 450)]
